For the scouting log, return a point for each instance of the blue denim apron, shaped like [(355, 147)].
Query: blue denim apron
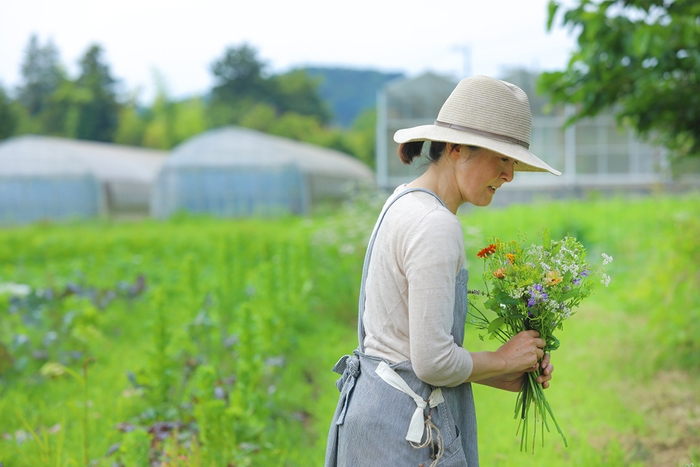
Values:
[(371, 420)]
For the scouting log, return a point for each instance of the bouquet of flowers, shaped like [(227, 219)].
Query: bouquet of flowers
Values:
[(533, 287)]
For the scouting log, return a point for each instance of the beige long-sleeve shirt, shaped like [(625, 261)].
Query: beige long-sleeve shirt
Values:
[(410, 289)]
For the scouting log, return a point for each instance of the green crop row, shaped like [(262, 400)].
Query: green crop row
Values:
[(183, 343)]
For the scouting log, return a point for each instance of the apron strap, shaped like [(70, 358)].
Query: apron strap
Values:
[(417, 425), (365, 268)]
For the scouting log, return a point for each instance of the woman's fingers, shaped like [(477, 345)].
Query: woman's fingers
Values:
[(545, 361), (546, 373)]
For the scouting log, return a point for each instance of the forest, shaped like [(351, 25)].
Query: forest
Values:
[(330, 107)]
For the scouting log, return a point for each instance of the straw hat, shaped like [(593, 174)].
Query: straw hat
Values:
[(488, 113)]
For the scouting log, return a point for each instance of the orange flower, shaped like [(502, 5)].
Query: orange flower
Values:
[(486, 252), (552, 278), (511, 257), (499, 273)]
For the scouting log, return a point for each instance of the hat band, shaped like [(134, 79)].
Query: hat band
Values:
[(488, 134)]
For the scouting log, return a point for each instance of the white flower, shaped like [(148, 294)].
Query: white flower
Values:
[(605, 280), (606, 259), (552, 306), (565, 312), (517, 293)]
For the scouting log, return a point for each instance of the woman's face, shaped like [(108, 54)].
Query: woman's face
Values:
[(480, 173)]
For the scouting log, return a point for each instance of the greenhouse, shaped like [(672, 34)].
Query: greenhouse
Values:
[(54, 178), (39, 182), (234, 171)]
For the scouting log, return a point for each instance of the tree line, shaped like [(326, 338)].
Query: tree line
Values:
[(91, 105), (637, 58)]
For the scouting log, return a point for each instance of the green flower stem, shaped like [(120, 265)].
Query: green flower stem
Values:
[(532, 395)]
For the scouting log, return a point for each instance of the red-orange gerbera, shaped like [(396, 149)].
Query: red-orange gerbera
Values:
[(486, 252)]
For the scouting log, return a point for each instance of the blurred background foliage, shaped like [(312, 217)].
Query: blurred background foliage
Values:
[(640, 58), (331, 107)]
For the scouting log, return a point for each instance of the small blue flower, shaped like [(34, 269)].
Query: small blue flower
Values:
[(577, 281), (585, 273)]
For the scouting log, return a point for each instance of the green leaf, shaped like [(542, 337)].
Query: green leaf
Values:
[(552, 8), (642, 40), (506, 299), (570, 294), (495, 325), (552, 344), (492, 304)]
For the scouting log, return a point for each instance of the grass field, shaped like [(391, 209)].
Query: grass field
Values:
[(208, 342)]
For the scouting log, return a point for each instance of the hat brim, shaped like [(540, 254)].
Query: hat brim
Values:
[(528, 162)]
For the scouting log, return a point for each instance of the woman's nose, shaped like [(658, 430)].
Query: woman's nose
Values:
[(509, 171)]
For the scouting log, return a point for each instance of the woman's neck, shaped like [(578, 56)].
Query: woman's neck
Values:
[(440, 180)]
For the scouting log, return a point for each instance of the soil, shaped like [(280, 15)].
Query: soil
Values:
[(670, 400)]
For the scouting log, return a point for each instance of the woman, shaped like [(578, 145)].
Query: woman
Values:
[(406, 397)]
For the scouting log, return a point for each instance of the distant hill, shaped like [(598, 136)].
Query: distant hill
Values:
[(348, 91)]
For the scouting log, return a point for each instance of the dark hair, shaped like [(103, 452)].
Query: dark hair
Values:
[(411, 150)]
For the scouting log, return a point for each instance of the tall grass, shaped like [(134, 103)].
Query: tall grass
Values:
[(205, 342)]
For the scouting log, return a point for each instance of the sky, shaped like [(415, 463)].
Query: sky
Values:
[(179, 40)]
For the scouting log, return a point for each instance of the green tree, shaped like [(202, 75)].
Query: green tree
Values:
[(239, 76), (297, 92), (159, 133), (242, 83), (132, 125), (63, 113), (362, 137), (8, 117), (98, 116), (260, 117), (41, 74), (640, 58), (190, 119)]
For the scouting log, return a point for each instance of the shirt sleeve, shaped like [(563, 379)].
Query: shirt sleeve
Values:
[(433, 257)]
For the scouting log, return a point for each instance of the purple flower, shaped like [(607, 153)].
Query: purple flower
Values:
[(577, 281), (585, 273), (537, 295)]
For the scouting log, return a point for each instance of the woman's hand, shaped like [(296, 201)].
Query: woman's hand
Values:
[(505, 368), (522, 352), (514, 381)]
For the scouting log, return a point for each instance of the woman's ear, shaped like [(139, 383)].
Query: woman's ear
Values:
[(455, 150)]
